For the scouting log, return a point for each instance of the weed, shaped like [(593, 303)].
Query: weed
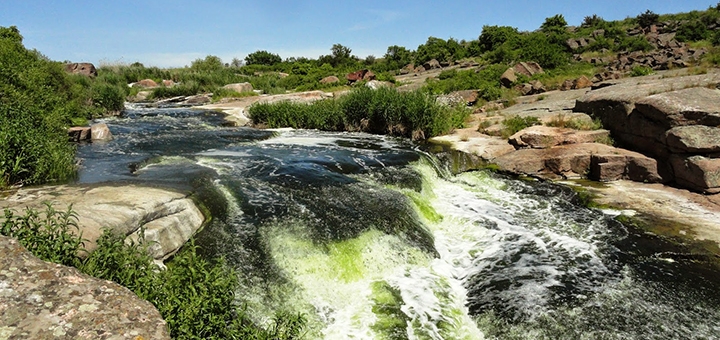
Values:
[(639, 71), (517, 123)]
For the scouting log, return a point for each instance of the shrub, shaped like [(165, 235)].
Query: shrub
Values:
[(36, 104), (638, 71), (555, 22), (639, 43), (262, 58), (593, 21), (196, 297), (692, 31), (516, 123), (647, 19)]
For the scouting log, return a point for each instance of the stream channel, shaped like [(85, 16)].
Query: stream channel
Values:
[(370, 237)]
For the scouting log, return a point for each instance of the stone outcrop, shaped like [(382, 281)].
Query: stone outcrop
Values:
[(676, 127), (146, 83), (167, 218), (360, 75), (432, 65), (527, 69), (330, 80), (239, 87), (41, 300), (95, 132), (531, 88), (601, 162), (86, 69), (543, 137)]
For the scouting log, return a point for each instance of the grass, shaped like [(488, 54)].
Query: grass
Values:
[(195, 296), (516, 123), (562, 121), (382, 111)]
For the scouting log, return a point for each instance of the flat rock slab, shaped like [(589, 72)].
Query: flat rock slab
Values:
[(691, 106), (543, 137), (168, 218), (41, 300), (488, 148)]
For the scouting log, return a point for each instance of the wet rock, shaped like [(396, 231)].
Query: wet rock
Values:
[(100, 131), (41, 300)]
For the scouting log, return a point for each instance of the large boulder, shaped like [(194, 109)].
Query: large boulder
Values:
[(330, 80), (432, 64), (167, 218), (146, 83), (360, 75), (693, 139), (100, 131), (697, 173), (94, 132), (528, 69), (86, 69), (508, 78), (239, 87), (543, 137), (692, 106), (41, 300), (576, 160)]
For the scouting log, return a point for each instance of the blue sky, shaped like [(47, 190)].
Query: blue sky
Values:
[(170, 33)]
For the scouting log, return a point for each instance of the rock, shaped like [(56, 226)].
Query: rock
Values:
[(692, 106), (79, 133), (100, 132), (543, 137), (141, 96), (41, 300), (528, 69), (330, 80), (168, 218), (376, 84), (575, 160), (533, 87), (566, 85), (537, 87), (360, 75), (432, 64), (198, 99), (168, 83), (696, 139), (697, 173), (469, 97), (369, 75), (239, 87), (488, 148), (508, 78), (146, 83), (86, 69), (581, 83), (572, 44)]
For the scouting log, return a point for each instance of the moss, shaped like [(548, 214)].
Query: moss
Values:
[(391, 320)]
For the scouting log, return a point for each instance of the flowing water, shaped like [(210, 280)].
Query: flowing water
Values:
[(372, 238)]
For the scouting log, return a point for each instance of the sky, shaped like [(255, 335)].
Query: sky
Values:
[(173, 33)]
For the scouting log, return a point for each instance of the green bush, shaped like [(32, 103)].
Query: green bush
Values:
[(692, 31), (384, 111), (647, 19), (638, 71), (196, 297), (514, 124), (36, 105)]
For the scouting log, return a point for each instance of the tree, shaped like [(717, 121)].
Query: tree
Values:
[(211, 63), (554, 23), (494, 36), (262, 58), (593, 21), (236, 62), (647, 19), (340, 52)]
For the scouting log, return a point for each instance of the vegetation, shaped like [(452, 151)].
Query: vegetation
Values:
[(196, 297), (516, 123), (385, 110)]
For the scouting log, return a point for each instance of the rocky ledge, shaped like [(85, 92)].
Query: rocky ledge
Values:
[(41, 300), (167, 218)]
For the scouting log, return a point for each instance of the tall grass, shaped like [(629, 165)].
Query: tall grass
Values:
[(382, 111), (195, 296)]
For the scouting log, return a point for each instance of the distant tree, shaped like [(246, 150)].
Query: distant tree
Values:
[(236, 62), (340, 52), (262, 58), (439, 49), (593, 21), (137, 64), (369, 60), (211, 63), (494, 36), (647, 19), (554, 22)]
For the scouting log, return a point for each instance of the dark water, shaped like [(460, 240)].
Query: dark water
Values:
[(371, 238)]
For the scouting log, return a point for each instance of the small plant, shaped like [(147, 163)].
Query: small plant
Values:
[(517, 123), (639, 71)]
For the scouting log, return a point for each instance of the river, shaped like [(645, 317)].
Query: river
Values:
[(371, 237)]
